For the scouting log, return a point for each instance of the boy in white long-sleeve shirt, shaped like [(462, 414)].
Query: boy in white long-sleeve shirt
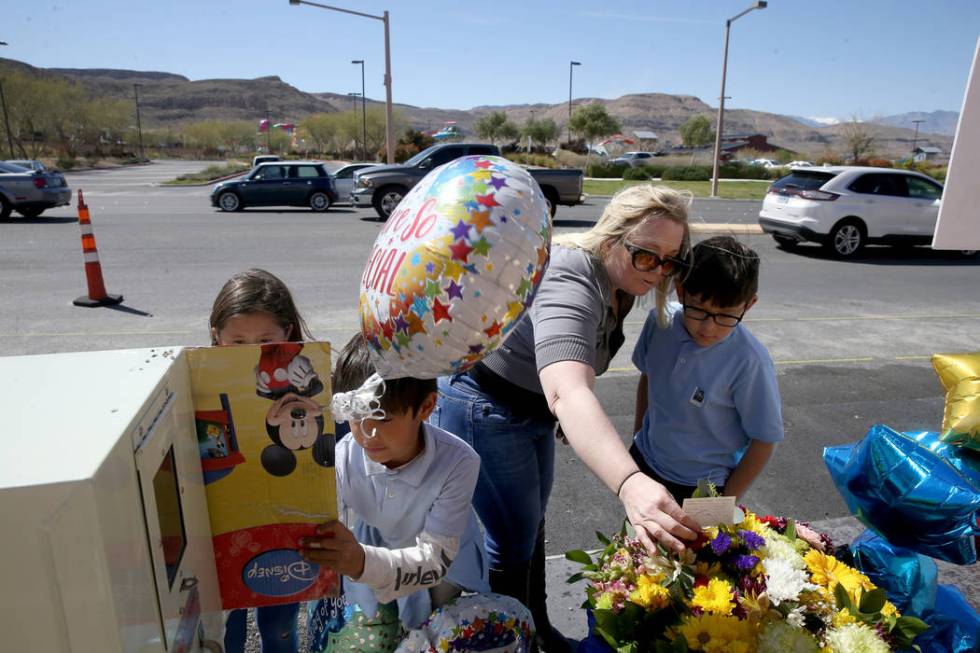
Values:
[(413, 540)]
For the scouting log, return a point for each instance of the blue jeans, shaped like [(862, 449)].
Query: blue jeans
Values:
[(277, 629), (517, 465)]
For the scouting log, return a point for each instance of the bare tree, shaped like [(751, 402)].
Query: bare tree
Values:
[(858, 140)]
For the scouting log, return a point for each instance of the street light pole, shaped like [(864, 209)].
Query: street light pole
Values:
[(570, 65), (356, 95), (363, 112), (389, 127), (915, 139), (6, 117), (139, 126), (759, 4)]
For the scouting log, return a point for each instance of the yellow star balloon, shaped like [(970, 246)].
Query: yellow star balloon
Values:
[(960, 375)]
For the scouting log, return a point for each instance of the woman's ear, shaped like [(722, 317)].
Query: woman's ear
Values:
[(679, 289), (214, 336)]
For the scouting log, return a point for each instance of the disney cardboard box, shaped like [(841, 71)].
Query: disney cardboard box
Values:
[(266, 441)]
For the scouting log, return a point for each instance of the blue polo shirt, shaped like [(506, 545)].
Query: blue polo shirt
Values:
[(704, 404)]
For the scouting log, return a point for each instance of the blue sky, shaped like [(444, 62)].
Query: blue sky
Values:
[(832, 58)]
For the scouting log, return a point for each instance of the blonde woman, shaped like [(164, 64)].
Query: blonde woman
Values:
[(543, 376)]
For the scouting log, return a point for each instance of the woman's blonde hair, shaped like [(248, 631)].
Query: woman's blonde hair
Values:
[(626, 211)]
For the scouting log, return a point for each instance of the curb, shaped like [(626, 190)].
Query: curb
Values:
[(206, 183), (723, 228)]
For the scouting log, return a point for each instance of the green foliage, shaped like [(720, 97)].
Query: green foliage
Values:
[(541, 131), (740, 170), (592, 121), (606, 170), (697, 132), (687, 173), (536, 160), (639, 173), (495, 125)]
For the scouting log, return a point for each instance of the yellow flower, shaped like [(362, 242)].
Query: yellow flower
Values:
[(715, 597), (890, 610), (827, 571), (842, 617), (706, 570), (717, 634), (650, 594), (752, 523)]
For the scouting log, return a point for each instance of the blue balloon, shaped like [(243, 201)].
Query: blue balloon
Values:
[(914, 494), (909, 578), (954, 626)]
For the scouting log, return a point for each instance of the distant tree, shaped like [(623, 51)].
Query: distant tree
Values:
[(495, 125), (593, 122), (697, 132), (541, 131), (319, 130), (411, 143), (858, 140)]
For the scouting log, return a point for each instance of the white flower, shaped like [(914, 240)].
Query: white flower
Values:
[(779, 547), (779, 637), (795, 617), (855, 638), (783, 581)]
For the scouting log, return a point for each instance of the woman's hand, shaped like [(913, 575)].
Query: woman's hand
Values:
[(655, 515), (334, 546)]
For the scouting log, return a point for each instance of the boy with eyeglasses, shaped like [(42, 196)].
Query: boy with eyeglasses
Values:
[(707, 404)]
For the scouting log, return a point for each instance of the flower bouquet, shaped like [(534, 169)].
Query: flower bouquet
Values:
[(763, 585)]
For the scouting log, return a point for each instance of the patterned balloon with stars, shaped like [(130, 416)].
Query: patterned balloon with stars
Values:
[(455, 267)]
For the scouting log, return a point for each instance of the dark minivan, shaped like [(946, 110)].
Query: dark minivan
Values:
[(281, 183)]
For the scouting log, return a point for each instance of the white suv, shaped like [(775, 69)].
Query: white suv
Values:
[(846, 207)]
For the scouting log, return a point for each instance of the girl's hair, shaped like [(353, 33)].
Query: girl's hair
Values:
[(354, 366), (626, 211), (254, 291)]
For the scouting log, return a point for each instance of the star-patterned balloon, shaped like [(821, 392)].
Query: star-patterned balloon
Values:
[(960, 376), (455, 267)]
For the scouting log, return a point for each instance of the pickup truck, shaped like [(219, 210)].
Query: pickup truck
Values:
[(383, 187)]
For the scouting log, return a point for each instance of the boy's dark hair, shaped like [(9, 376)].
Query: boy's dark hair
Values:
[(402, 395), (724, 272)]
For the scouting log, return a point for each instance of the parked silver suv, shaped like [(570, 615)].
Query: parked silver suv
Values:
[(30, 192)]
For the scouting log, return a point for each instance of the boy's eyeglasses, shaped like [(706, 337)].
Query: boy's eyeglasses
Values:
[(721, 319), (646, 261)]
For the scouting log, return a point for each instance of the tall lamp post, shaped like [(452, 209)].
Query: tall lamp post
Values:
[(6, 117), (356, 95), (363, 111), (915, 139), (571, 64), (139, 126), (758, 4), (389, 127)]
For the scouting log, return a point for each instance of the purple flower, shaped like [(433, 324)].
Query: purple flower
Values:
[(721, 543), (752, 540), (745, 562)]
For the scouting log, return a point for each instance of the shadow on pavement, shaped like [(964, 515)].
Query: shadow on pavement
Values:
[(122, 308), (38, 220), (585, 224)]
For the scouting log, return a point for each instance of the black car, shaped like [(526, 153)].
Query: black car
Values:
[(280, 183)]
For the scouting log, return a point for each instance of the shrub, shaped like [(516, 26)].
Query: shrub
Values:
[(535, 160), (687, 173), (639, 173), (739, 170), (606, 170), (654, 169), (66, 163)]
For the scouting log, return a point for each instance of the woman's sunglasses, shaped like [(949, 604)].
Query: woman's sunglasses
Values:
[(646, 261)]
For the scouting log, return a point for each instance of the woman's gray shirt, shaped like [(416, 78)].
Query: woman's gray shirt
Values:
[(571, 318)]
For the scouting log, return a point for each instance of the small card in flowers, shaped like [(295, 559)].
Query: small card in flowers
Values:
[(711, 511)]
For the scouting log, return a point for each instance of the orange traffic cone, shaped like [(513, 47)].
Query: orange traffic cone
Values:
[(97, 296)]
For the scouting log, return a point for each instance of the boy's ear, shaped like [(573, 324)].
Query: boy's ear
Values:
[(751, 302), (428, 406)]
